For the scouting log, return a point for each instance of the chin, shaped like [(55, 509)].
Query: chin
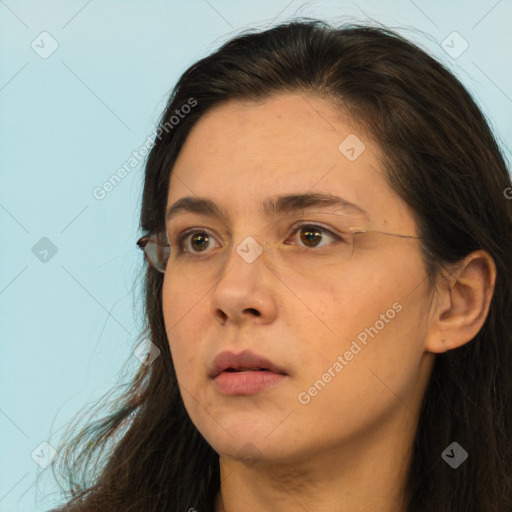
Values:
[(246, 437)]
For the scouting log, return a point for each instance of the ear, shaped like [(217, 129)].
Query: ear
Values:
[(462, 302)]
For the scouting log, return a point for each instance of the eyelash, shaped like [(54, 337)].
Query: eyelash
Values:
[(294, 230)]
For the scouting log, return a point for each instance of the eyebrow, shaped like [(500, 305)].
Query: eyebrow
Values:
[(270, 207)]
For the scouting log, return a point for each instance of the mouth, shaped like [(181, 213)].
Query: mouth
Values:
[(244, 382), (246, 361), (245, 374), (247, 370)]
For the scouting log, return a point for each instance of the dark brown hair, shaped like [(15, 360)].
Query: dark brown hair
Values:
[(443, 161)]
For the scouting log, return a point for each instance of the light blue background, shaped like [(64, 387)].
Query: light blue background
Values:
[(70, 121)]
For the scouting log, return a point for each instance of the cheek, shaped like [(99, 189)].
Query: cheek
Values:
[(372, 321), (349, 385), (184, 312)]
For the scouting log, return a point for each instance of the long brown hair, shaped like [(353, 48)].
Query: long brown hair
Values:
[(441, 158)]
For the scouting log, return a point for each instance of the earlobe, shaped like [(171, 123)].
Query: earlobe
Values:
[(463, 301)]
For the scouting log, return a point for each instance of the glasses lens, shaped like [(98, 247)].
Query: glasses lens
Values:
[(157, 253), (313, 250)]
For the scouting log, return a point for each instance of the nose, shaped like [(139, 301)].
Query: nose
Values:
[(245, 289)]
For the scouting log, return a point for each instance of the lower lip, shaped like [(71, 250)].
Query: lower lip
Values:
[(246, 383)]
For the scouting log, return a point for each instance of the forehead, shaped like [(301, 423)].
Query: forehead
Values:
[(284, 127), (242, 152)]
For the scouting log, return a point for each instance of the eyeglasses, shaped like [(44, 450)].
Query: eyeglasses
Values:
[(157, 250), (160, 253)]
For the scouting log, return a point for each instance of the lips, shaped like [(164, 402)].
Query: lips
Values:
[(244, 361)]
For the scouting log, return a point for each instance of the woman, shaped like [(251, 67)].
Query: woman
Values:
[(329, 278)]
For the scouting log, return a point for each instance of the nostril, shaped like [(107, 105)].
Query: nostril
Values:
[(253, 311)]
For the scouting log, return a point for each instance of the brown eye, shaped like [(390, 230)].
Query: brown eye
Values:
[(194, 241), (200, 241), (310, 236)]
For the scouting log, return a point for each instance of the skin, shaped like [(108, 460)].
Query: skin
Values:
[(348, 449)]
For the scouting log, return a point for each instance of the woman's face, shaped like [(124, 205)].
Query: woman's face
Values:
[(347, 332)]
